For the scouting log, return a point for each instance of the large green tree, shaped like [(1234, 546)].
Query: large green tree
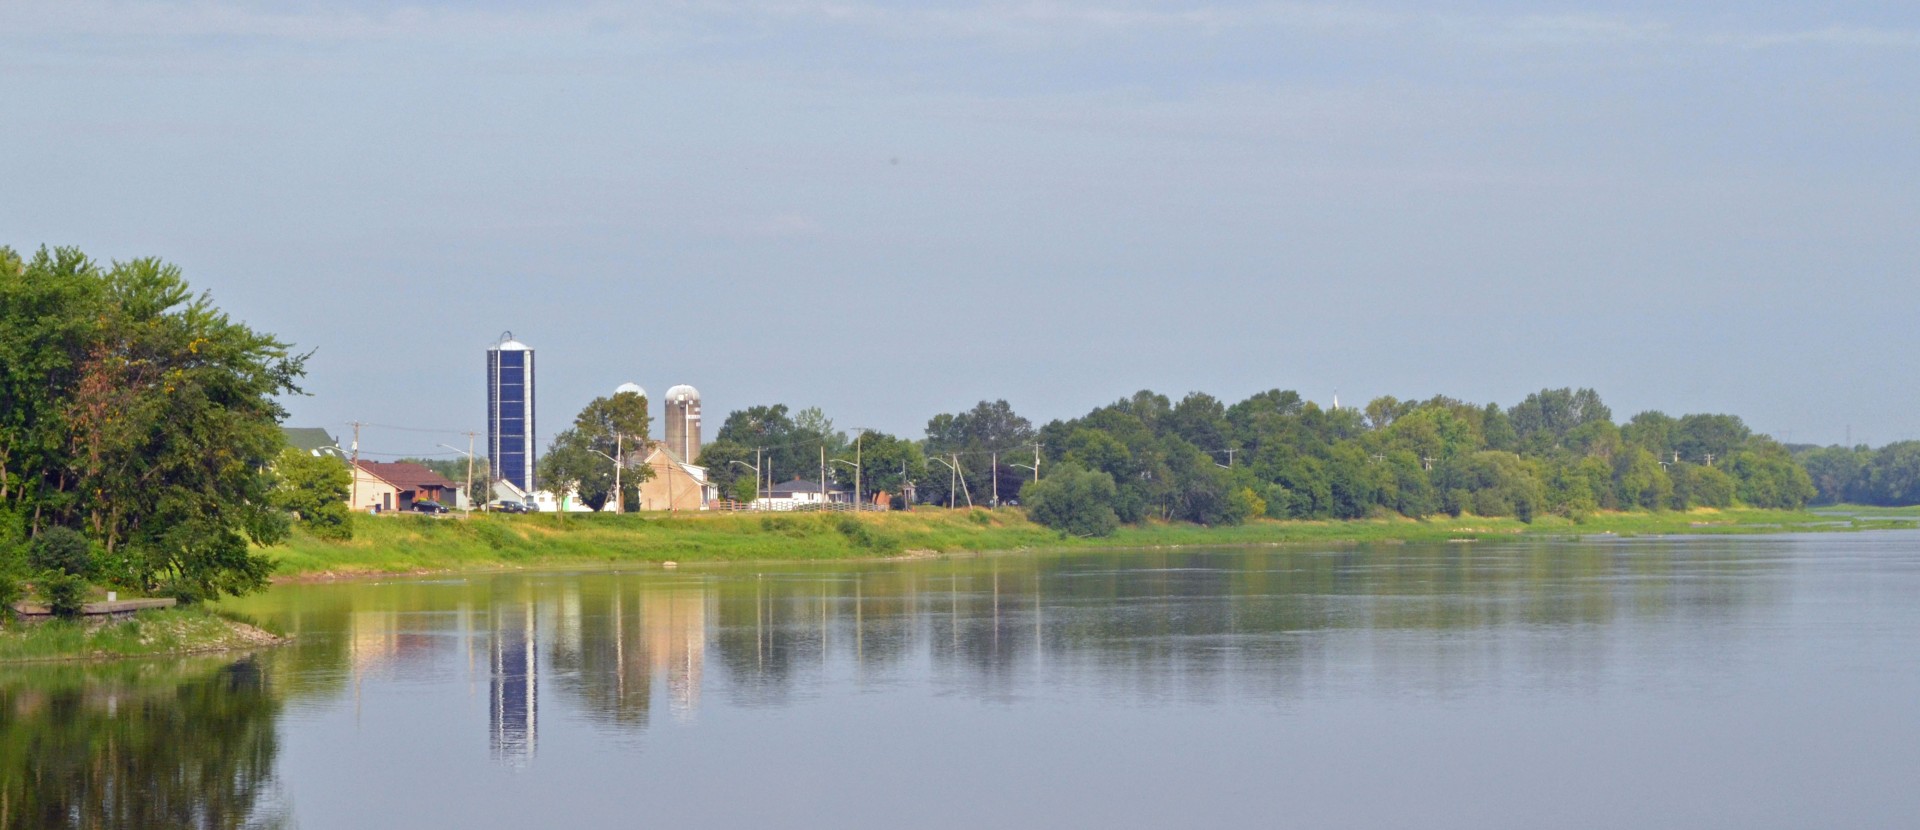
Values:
[(582, 459), (133, 410)]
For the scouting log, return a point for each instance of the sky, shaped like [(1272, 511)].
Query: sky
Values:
[(894, 210)]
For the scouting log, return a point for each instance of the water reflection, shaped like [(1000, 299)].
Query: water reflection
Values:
[(1190, 624), (1444, 685), (187, 744), (514, 693)]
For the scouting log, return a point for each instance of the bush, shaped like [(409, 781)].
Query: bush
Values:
[(61, 549), (862, 535), (1073, 500), (10, 593), (64, 593)]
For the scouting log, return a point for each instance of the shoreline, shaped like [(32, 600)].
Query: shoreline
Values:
[(406, 546), (172, 632)]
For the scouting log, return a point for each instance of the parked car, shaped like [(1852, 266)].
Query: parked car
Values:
[(508, 506), (429, 506)]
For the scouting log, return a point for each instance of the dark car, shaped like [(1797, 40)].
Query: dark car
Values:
[(508, 506), (429, 506)]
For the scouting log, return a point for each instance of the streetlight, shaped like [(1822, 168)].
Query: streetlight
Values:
[(859, 433), (619, 495), (469, 490), (756, 477), (856, 477), (954, 478)]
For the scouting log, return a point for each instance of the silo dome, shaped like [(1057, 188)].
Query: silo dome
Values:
[(683, 393), (630, 387)]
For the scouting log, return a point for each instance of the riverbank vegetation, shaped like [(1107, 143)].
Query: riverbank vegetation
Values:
[(137, 427), (1886, 477), (183, 630), (1275, 455), (420, 544)]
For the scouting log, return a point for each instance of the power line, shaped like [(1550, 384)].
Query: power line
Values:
[(409, 429)]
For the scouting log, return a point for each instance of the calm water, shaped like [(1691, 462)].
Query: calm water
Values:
[(1753, 682)]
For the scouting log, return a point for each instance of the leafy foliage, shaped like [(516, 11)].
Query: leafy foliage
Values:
[(581, 459), (1558, 450), (134, 411), (314, 488), (1074, 500), (60, 550)]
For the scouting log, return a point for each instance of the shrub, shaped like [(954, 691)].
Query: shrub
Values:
[(1073, 500), (1246, 504), (862, 535), (61, 549), (10, 593), (64, 593)]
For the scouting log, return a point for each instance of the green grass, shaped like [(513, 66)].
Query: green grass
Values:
[(164, 631), (1867, 510), (418, 544)]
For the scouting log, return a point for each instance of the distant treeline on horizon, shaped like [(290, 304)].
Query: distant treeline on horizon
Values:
[(1275, 454)]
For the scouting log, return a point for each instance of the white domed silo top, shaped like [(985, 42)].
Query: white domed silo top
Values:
[(683, 392), (630, 387), (508, 344)]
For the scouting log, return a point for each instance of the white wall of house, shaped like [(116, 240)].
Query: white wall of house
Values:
[(369, 491)]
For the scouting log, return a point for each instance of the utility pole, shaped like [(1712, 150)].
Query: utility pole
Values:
[(996, 479), (856, 470), (470, 473), (1709, 459), (952, 472), (353, 495), (1036, 461), (619, 463), (963, 480), (823, 476)]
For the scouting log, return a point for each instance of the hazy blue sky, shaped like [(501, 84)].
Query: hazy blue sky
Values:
[(894, 210)]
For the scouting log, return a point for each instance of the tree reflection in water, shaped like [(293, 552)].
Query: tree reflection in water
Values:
[(1247, 622), (151, 745)]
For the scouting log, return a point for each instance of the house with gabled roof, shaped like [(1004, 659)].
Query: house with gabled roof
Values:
[(801, 494), (396, 485), (676, 484)]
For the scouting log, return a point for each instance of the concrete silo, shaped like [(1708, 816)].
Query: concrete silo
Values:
[(683, 422)]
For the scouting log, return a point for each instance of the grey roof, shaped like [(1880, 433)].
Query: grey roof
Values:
[(801, 485), (312, 440)]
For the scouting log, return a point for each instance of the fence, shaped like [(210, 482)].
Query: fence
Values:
[(790, 506)]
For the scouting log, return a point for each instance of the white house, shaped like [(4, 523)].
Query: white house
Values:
[(800, 494)]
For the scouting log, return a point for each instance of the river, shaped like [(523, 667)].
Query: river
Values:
[(1739, 682)]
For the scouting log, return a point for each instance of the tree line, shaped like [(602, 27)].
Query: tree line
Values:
[(1889, 476), (1277, 455)]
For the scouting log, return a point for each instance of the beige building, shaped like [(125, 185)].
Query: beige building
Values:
[(675, 485), (397, 485)]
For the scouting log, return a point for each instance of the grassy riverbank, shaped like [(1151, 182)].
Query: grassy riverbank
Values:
[(416, 544), (189, 630)]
